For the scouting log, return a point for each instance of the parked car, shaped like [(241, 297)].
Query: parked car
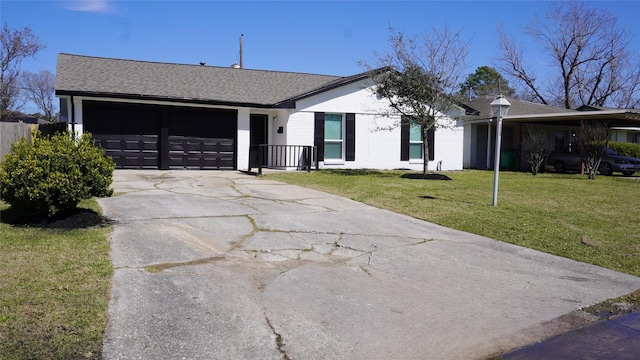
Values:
[(570, 160)]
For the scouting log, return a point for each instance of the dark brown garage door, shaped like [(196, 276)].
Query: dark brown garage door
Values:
[(163, 137), (201, 153), (201, 138), (131, 151), (128, 132)]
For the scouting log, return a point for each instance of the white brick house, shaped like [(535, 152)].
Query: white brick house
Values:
[(158, 115)]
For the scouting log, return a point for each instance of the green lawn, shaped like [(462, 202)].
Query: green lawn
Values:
[(54, 287), (593, 221)]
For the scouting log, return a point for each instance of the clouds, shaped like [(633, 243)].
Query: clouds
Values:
[(95, 6)]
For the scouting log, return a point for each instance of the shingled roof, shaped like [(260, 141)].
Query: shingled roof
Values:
[(480, 108), (95, 76)]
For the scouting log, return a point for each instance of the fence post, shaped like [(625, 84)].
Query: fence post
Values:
[(315, 157)]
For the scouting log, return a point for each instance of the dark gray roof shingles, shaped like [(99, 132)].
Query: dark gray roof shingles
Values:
[(518, 107), (85, 74)]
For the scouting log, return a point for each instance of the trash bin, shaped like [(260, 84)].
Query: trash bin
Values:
[(508, 159)]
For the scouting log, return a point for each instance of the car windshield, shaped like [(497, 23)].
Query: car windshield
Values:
[(610, 152)]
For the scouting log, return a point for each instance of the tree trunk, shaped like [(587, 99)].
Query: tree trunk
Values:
[(425, 151)]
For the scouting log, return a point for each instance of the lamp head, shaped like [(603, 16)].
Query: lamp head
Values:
[(500, 106)]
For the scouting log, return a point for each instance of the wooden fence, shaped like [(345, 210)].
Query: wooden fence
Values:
[(11, 132)]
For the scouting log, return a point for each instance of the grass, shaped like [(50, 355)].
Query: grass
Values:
[(593, 221), (55, 286)]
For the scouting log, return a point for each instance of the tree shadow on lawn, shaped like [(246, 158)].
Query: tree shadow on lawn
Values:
[(386, 174), (359, 172), (77, 218)]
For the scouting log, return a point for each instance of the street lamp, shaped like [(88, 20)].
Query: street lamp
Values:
[(500, 107)]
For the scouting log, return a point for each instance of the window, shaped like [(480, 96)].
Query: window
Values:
[(412, 141), (415, 142), (333, 136)]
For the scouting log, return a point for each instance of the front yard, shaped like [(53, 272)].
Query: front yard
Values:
[(596, 222), (54, 287), (55, 282)]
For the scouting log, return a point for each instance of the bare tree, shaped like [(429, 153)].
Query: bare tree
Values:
[(589, 53), (40, 88), (535, 146), (591, 138), (421, 80), (16, 46)]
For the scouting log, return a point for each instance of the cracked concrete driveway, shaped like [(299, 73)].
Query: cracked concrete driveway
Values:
[(222, 265)]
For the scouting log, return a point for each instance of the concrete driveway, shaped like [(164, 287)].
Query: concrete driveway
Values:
[(222, 265)]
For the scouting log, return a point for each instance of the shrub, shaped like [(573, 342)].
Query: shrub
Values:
[(54, 174), (535, 147), (626, 149), (590, 137)]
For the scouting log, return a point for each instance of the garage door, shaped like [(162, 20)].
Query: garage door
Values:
[(201, 153), (128, 132), (130, 151), (140, 136), (201, 138)]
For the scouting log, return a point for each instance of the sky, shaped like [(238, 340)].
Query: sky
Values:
[(320, 37)]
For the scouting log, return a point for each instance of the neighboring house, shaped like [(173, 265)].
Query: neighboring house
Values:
[(620, 134), (560, 125), (27, 119), (480, 131), (173, 116)]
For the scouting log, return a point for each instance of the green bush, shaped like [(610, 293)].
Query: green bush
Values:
[(54, 174), (626, 149)]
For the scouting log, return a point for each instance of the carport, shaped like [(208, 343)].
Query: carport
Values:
[(480, 128), (614, 118)]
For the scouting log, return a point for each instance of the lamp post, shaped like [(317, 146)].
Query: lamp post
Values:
[(500, 107)]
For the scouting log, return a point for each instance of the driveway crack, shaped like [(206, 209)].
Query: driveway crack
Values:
[(253, 231), (279, 343)]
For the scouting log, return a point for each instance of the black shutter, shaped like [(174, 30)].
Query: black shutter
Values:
[(318, 134), (350, 145), (404, 140), (430, 138)]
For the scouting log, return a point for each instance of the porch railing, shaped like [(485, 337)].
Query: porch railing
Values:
[(301, 157)]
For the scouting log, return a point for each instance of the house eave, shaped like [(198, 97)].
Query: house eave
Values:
[(143, 97), (615, 118), (582, 115), (471, 121)]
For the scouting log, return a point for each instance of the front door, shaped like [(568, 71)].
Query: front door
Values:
[(258, 134)]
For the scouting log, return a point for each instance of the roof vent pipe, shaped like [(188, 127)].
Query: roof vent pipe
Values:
[(241, 36), (235, 66)]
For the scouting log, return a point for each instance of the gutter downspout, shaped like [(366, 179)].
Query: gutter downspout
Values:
[(73, 117)]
